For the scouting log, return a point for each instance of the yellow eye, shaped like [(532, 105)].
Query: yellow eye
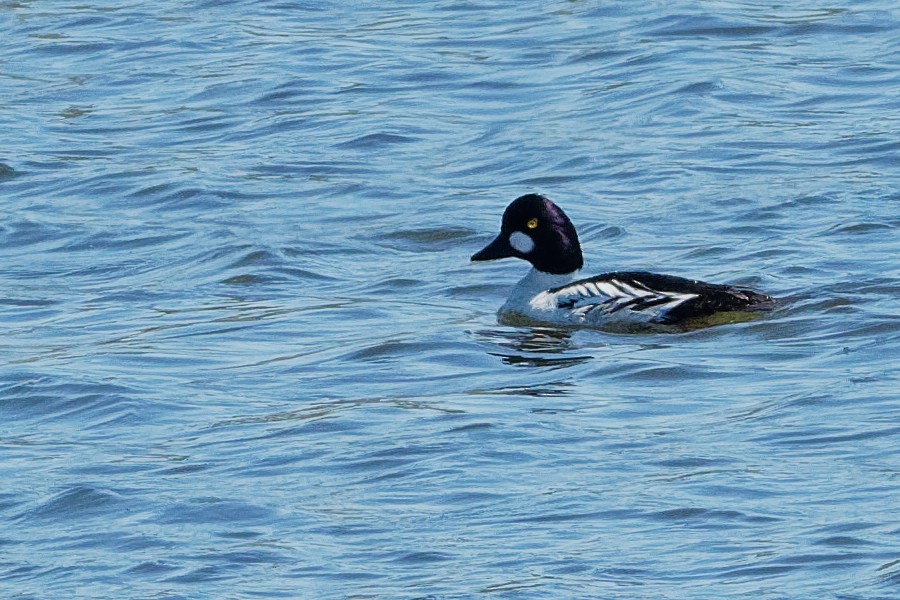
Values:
[(532, 224)]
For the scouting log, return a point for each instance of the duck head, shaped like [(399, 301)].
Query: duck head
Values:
[(537, 230)]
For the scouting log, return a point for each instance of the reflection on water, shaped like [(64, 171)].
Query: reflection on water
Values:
[(533, 346), (531, 339)]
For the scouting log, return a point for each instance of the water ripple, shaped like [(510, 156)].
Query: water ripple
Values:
[(244, 347)]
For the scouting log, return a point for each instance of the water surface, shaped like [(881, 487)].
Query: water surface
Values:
[(244, 353)]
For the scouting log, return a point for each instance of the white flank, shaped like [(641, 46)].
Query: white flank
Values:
[(603, 300), (593, 301)]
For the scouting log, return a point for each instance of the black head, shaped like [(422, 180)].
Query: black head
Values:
[(536, 230)]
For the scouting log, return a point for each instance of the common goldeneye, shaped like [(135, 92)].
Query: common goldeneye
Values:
[(537, 230)]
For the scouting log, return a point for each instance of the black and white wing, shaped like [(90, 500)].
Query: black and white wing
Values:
[(652, 298), (609, 296)]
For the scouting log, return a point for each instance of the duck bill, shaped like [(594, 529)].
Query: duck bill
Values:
[(499, 248)]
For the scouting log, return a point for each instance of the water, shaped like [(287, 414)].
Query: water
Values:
[(245, 355)]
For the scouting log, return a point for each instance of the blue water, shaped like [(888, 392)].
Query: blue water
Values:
[(244, 353)]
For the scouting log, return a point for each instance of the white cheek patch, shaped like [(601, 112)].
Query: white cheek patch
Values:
[(521, 242)]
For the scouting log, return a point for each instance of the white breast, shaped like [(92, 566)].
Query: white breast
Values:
[(529, 297)]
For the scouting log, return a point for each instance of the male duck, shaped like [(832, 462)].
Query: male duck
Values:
[(537, 230)]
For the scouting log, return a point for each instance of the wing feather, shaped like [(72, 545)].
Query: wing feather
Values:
[(598, 297)]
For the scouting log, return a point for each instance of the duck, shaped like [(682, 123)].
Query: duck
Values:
[(535, 229)]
